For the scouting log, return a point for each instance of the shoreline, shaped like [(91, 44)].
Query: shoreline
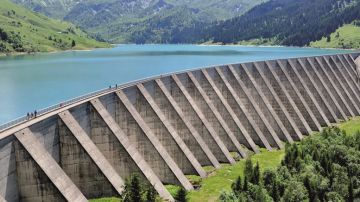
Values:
[(274, 46), (14, 54)]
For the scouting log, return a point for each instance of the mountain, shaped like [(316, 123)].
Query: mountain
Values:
[(272, 22), (22, 30), (286, 22), (142, 21)]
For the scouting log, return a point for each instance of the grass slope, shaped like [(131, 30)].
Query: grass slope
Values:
[(32, 32), (112, 199), (347, 36), (351, 126), (221, 179)]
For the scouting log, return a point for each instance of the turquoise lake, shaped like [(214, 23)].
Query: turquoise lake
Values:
[(37, 81)]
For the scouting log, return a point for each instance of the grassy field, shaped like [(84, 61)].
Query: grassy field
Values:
[(113, 199), (347, 36), (351, 126), (221, 179), (39, 33)]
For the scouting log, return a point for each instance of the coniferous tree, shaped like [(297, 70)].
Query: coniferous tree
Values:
[(255, 178), (246, 184), (236, 186), (351, 191), (73, 43), (135, 189), (295, 192), (150, 194), (269, 178), (181, 195), (132, 190), (275, 194), (248, 172)]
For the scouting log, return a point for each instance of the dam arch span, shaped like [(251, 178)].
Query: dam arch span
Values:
[(167, 127)]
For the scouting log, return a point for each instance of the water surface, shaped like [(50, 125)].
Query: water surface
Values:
[(32, 82)]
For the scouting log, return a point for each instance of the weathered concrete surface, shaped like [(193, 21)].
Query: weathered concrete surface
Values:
[(251, 90), (352, 67), (272, 102), (351, 77), (197, 104), (8, 173), (326, 94), (155, 142), (348, 84), (169, 126), (124, 165), (78, 164), (48, 165), (92, 150), (248, 107), (285, 88), (232, 142), (357, 62), (246, 124), (309, 92), (339, 87), (172, 131), (299, 92), (226, 111), (344, 83), (319, 94), (205, 150), (152, 120), (286, 108), (193, 115)]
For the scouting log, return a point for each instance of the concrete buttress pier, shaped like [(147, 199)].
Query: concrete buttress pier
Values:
[(170, 126)]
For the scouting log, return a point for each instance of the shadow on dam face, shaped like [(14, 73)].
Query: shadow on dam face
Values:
[(167, 127)]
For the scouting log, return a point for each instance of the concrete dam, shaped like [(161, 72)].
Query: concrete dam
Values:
[(170, 126)]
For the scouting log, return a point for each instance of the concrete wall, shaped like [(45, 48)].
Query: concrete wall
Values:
[(168, 127)]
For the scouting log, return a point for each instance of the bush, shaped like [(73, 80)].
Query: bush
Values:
[(3, 47)]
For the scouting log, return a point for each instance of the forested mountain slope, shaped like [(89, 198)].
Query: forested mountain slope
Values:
[(22, 30), (140, 21), (288, 22)]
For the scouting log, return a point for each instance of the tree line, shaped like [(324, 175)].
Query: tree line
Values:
[(324, 167)]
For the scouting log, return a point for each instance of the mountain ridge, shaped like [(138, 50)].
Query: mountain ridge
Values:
[(131, 17)]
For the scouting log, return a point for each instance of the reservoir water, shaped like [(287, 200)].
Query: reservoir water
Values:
[(37, 81)]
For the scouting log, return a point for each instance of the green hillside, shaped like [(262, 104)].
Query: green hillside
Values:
[(347, 36), (22, 30)]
